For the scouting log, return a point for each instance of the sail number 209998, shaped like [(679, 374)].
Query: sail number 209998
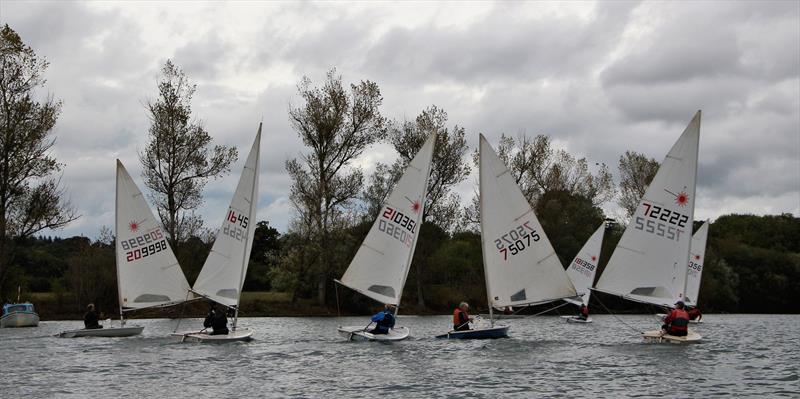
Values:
[(518, 239)]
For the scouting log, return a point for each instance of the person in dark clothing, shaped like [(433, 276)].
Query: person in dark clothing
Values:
[(91, 320), (217, 321), (584, 315), (677, 321), (461, 317), (384, 320)]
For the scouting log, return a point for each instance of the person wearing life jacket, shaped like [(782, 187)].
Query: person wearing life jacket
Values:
[(694, 313), (584, 312), (384, 320), (677, 321), (461, 317), (217, 321)]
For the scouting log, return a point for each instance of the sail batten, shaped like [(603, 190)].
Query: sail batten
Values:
[(380, 267), (519, 262), (222, 275), (147, 275), (650, 257)]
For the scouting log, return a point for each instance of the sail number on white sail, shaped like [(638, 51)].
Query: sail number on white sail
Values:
[(518, 239)]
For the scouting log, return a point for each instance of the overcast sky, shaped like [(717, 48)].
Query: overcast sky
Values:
[(598, 78)]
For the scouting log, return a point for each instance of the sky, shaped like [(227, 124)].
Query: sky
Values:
[(599, 78)]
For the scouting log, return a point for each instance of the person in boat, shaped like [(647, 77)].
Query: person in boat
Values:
[(384, 320), (91, 320), (677, 321), (217, 321), (694, 313), (461, 317), (508, 311), (584, 312)]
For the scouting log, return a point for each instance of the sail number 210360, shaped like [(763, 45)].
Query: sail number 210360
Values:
[(516, 240)]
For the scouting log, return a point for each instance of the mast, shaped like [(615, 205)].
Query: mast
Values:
[(691, 217), (116, 246), (253, 206), (483, 252), (422, 220)]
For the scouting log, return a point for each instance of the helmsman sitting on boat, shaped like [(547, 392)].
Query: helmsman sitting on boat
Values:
[(217, 321), (384, 320), (91, 320), (461, 317), (677, 321), (694, 313), (584, 312)]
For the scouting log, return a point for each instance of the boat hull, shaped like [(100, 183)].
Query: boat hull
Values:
[(357, 333), (112, 332), (238, 335), (19, 319), (657, 336), (576, 319), (480, 333)]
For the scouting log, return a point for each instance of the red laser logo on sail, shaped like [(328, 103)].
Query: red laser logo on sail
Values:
[(682, 198), (134, 226)]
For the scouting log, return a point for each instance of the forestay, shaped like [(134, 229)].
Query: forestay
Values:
[(521, 266), (649, 263), (380, 267), (694, 271), (147, 272), (582, 269), (222, 276)]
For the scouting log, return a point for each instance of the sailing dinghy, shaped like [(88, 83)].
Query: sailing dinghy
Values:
[(222, 276), (148, 274), (649, 262), (380, 267), (520, 265), (581, 272)]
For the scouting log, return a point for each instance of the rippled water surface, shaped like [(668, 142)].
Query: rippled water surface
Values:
[(743, 355)]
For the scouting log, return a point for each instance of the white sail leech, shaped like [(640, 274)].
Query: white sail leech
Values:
[(520, 264), (694, 270), (222, 276), (649, 263), (380, 267), (583, 268), (148, 274)]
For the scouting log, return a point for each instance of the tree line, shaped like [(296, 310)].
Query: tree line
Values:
[(752, 262)]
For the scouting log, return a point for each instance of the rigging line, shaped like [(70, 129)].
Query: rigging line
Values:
[(617, 317), (336, 291), (183, 306), (553, 308)]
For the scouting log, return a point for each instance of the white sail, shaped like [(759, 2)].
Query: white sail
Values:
[(222, 276), (694, 271), (649, 263), (147, 272), (521, 266), (381, 265), (582, 269)]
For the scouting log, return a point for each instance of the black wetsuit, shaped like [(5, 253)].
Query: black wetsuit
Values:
[(218, 323), (91, 321)]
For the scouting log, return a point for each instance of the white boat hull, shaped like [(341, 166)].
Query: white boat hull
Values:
[(19, 319), (657, 336), (357, 333), (576, 319), (239, 335), (111, 332)]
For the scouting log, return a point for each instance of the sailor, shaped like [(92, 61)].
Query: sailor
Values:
[(217, 321), (584, 315), (91, 319), (461, 317), (694, 313), (677, 321), (384, 320)]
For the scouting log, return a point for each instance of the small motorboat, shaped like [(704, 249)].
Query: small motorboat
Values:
[(19, 315)]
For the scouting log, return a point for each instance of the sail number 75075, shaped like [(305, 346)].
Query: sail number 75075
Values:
[(516, 240)]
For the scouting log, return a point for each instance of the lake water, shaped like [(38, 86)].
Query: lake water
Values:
[(742, 355)]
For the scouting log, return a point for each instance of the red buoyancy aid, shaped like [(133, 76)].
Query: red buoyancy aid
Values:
[(678, 320), (585, 311), (458, 319), (694, 314)]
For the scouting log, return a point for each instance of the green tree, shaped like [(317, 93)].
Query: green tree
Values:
[(636, 171), (337, 125), (178, 161), (31, 199), (263, 257)]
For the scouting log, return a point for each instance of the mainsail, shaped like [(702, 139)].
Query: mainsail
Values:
[(694, 270), (521, 266), (222, 276), (582, 269), (649, 263), (381, 265), (147, 272)]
